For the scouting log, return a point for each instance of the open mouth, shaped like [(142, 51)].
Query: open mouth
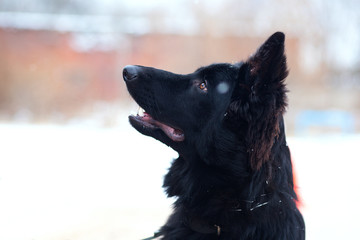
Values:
[(147, 122)]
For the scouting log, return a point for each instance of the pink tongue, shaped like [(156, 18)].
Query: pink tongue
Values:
[(173, 134)]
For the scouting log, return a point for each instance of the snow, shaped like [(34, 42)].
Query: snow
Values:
[(222, 87), (57, 22), (106, 25), (76, 182), (82, 182), (327, 169)]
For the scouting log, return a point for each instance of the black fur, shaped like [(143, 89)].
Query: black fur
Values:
[(233, 177)]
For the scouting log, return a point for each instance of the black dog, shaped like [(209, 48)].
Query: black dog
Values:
[(233, 177)]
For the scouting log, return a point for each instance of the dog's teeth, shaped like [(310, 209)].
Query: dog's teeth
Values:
[(140, 112)]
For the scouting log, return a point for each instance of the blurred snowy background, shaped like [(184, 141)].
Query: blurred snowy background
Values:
[(71, 166)]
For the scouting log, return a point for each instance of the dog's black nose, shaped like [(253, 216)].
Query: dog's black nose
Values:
[(130, 72)]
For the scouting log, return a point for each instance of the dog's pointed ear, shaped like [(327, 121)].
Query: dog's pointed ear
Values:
[(269, 62), (259, 100)]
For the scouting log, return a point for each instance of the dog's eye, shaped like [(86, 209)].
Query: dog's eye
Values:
[(202, 86)]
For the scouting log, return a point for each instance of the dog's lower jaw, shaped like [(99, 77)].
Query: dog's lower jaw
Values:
[(145, 124)]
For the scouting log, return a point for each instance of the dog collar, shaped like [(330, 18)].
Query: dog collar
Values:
[(250, 205), (201, 225)]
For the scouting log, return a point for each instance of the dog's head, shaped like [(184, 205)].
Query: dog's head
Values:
[(220, 103)]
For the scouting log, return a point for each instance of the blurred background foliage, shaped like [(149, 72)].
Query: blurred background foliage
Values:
[(62, 59)]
